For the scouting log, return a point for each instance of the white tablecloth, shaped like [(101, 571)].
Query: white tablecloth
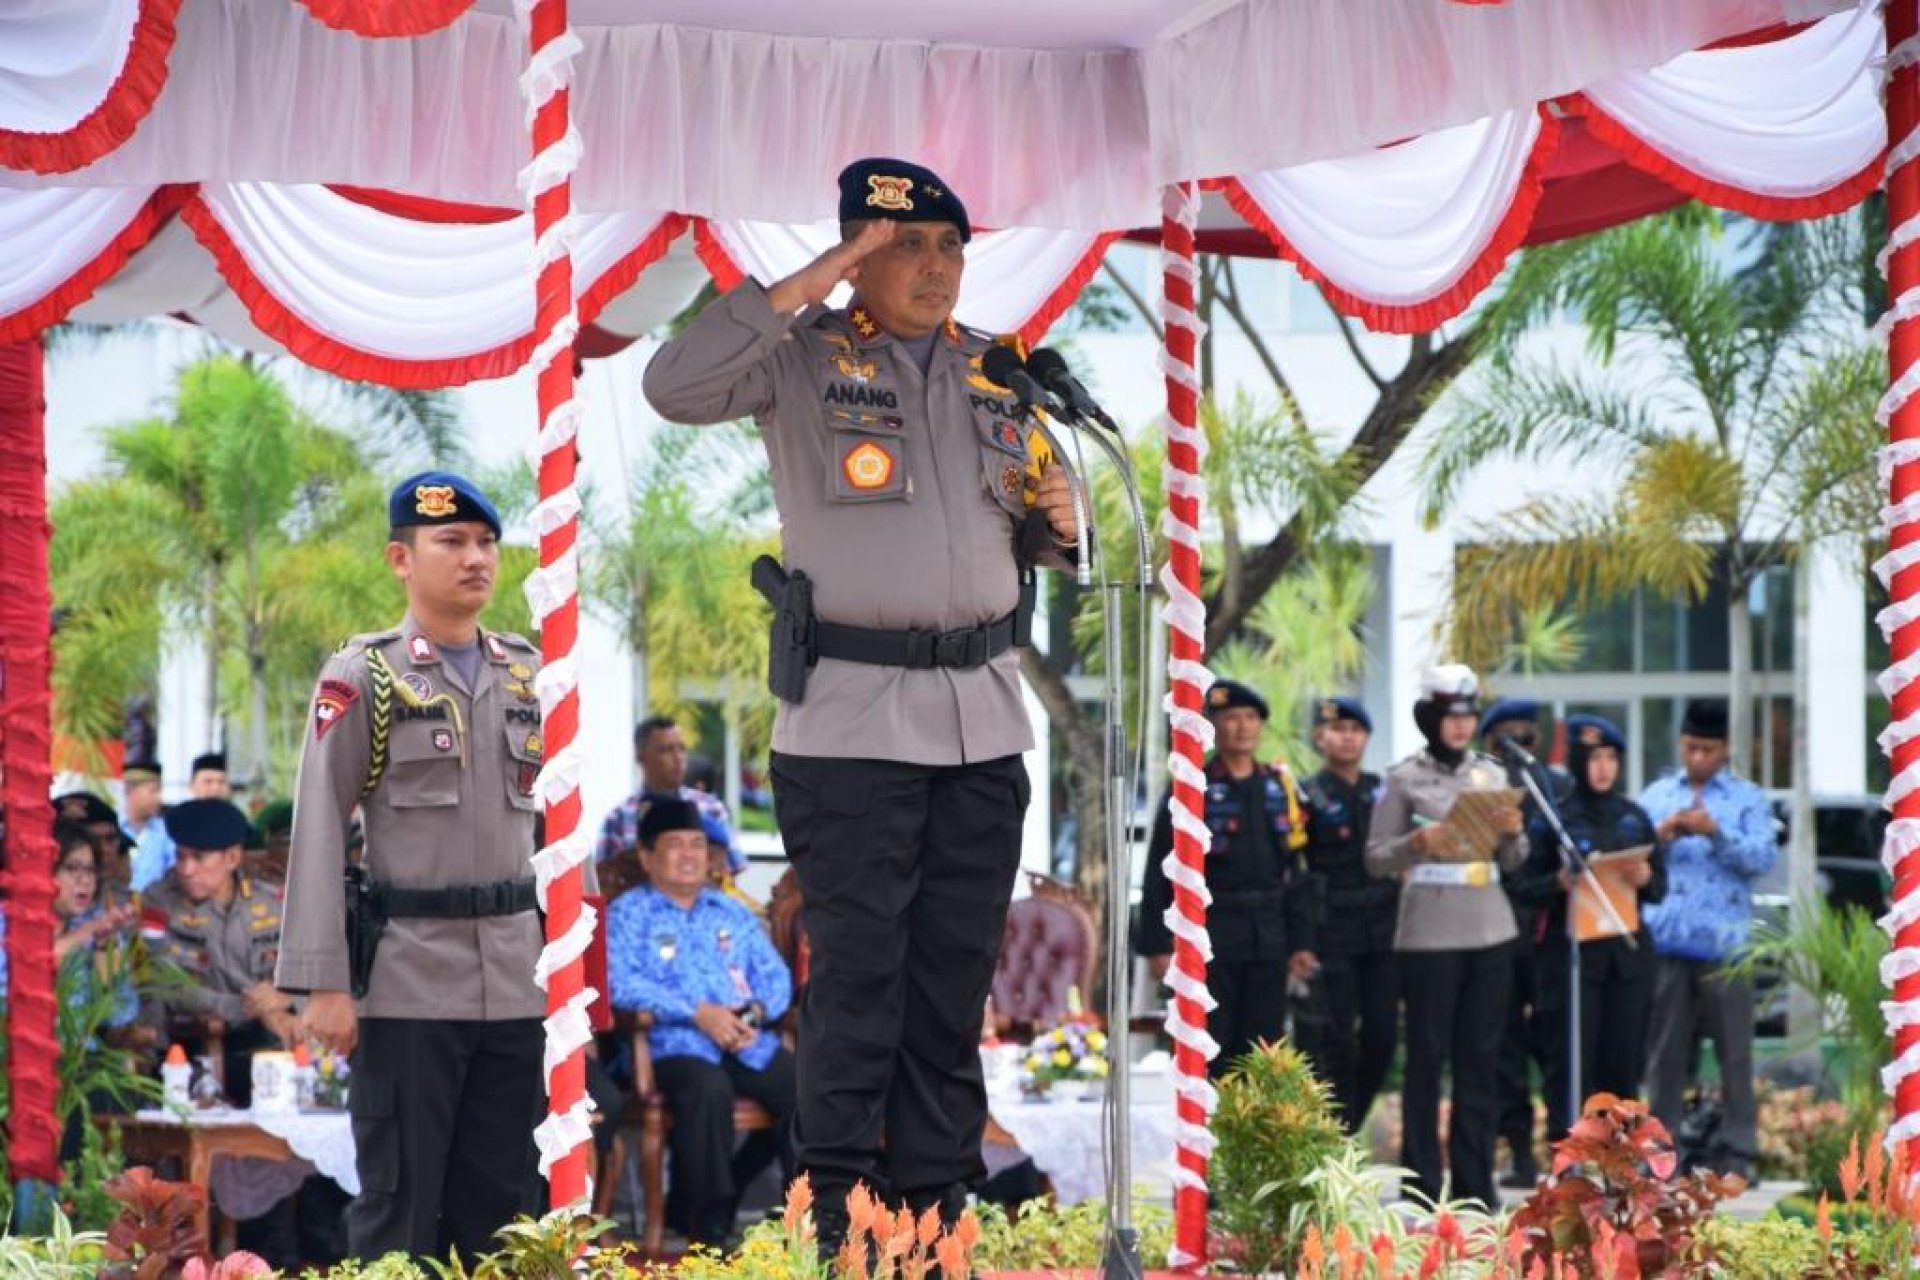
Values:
[(322, 1138), (1064, 1138)]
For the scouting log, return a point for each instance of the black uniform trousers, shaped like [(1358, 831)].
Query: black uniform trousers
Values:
[(443, 1118), (1456, 1006), (1250, 1005), (1616, 998), (1354, 1020), (905, 872), (708, 1172)]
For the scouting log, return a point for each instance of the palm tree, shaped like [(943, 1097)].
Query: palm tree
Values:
[(1733, 403)]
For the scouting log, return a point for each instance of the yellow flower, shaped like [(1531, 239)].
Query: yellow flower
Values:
[(1035, 1062), (1061, 1058), (1099, 1068), (1097, 1041)]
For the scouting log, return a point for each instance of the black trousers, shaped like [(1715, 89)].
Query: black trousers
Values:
[(1456, 1006), (443, 1117), (1251, 1006), (906, 871), (1523, 1042), (708, 1172), (1354, 1015), (1616, 1000), (1692, 997)]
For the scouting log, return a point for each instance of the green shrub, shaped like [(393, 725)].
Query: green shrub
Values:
[(1273, 1128), (1762, 1249), (1043, 1236)]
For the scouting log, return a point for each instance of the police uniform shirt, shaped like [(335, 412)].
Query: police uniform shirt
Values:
[(899, 495), (668, 960), (1418, 791), (223, 950), (455, 806), (1359, 910)]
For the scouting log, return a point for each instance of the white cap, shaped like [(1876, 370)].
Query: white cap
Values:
[(1449, 680)]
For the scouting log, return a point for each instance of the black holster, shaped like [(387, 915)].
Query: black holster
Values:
[(366, 921), (791, 648)]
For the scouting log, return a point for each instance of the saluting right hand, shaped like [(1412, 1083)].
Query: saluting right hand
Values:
[(332, 1021), (813, 282)]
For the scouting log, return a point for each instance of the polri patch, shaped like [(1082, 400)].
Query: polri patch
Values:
[(331, 704), (443, 739), (867, 466), (1007, 439), (420, 649), (434, 501)]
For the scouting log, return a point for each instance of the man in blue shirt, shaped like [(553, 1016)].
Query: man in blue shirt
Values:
[(703, 966), (1719, 836), (146, 826), (660, 750)]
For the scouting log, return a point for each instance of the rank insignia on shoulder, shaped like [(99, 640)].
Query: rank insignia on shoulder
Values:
[(867, 466), (331, 704), (434, 501), (497, 650), (419, 648), (863, 323), (520, 671)]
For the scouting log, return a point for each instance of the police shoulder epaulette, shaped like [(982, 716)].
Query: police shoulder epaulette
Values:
[(366, 640)]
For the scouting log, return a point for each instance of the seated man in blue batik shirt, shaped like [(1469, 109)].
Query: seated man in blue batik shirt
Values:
[(703, 966), (1718, 830)]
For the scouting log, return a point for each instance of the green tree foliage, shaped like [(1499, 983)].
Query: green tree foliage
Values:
[(1728, 386)]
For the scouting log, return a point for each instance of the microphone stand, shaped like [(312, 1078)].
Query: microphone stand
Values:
[(1573, 863), (1121, 1256)]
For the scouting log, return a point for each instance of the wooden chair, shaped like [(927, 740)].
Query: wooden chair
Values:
[(1051, 947)]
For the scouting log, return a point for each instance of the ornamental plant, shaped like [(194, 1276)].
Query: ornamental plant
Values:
[(1075, 1049), (1273, 1128)]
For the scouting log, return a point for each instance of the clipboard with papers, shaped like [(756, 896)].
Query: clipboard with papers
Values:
[(1592, 921)]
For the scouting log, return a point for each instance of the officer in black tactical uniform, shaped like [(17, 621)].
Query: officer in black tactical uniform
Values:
[(1261, 920)]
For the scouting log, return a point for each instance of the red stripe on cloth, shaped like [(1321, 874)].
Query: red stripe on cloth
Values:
[(54, 306), (1428, 313), (384, 18), (128, 99), (424, 208), (715, 257), (325, 351), (1648, 158), (1067, 291)]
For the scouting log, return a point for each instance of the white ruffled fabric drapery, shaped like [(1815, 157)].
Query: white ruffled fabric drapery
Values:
[(1013, 281), (58, 58), (1785, 122), (50, 235), (1393, 231), (744, 123)]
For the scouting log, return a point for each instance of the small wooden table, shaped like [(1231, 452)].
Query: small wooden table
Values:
[(196, 1143)]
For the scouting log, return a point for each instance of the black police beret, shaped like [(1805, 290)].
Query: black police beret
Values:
[(1584, 733), (1329, 710), (208, 825), (84, 806), (663, 816), (1509, 709), (1228, 694), (1705, 720), (439, 497), (879, 187)]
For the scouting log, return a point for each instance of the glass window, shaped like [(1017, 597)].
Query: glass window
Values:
[(1660, 728)]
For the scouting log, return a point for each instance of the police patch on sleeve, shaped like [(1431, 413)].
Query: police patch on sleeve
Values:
[(331, 704)]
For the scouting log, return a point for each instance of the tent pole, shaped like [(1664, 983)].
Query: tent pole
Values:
[(564, 1137), (33, 1149), (1191, 734)]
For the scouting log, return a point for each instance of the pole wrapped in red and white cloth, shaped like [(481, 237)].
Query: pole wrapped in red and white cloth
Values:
[(1191, 732), (565, 1137)]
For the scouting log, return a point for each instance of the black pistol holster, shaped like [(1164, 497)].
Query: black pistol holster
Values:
[(792, 649), (366, 921)]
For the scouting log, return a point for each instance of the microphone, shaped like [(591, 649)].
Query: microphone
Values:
[(1508, 747), (1050, 368), (1001, 366)]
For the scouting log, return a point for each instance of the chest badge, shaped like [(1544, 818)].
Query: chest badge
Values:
[(854, 369), (1012, 481), (421, 686), (443, 739), (867, 467), (533, 746), (1006, 436), (520, 671), (668, 946)]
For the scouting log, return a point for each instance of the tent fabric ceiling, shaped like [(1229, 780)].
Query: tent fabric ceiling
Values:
[(737, 109)]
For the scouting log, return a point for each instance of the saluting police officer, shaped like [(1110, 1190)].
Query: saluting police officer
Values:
[(1261, 921), (432, 727), (913, 507), (1356, 996)]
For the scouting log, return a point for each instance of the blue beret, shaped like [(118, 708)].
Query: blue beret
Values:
[(880, 187), (208, 825), (1330, 710), (1584, 733), (439, 497), (1509, 709), (1228, 694)]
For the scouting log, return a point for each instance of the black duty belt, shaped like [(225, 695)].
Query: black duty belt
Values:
[(966, 647), (460, 902)]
